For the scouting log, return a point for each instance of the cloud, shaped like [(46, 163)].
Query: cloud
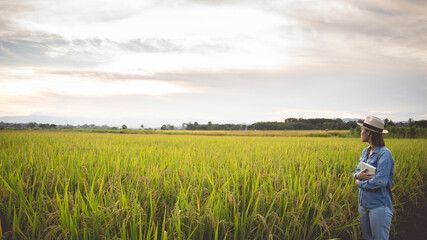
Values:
[(150, 45), (421, 117), (40, 48), (9, 12), (350, 32), (81, 87), (36, 52), (176, 36)]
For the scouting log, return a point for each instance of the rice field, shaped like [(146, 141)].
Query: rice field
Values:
[(56, 185)]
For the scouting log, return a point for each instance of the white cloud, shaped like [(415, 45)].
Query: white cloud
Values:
[(207, 37), (85, 87), (192, 22)]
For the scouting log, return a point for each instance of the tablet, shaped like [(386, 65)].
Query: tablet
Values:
[(371, 169)]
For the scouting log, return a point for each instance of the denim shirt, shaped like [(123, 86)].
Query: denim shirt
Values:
[(382, 159)]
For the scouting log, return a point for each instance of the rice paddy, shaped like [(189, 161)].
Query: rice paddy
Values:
[(69, 185)]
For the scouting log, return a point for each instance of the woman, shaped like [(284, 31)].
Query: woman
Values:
[(375, 198)]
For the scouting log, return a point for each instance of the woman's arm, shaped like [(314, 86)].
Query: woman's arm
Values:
[(385, 163), (360, 174)]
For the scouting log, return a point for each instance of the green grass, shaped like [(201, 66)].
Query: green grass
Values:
[(72, 185)]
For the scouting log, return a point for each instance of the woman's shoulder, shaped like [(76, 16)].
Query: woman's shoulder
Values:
[(384, 149), (385, 152)]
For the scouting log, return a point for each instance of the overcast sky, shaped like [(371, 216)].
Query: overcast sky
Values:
[(156, 62)]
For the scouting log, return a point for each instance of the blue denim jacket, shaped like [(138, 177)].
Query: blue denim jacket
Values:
[(373, 192)]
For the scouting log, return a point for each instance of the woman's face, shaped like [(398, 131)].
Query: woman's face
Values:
[(364, 135)]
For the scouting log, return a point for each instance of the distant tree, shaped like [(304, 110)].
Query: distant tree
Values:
[(189, 126), (52, 126), (411, 122), (167, 127), (142, 126), (44, 125), (412, 131), (421, 123), (352, 124), (124, 126), (386, 121), (291, 120), (32, 124)]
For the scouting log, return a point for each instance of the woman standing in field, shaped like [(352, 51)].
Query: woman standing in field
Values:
[(375, 198)]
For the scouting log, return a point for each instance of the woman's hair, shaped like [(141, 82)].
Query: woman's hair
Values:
[(376, 139)]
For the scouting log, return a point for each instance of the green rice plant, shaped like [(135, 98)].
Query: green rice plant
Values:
[(72, 185)]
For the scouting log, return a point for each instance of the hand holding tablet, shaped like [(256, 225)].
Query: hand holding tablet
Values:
[(371, 169)]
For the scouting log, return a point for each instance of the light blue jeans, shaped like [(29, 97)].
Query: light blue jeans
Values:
[(375, 222)]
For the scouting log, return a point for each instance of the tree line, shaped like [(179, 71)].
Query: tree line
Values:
[(287, 124), (300, 124)]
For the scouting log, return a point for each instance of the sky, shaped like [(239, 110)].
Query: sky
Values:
[(156, 62)]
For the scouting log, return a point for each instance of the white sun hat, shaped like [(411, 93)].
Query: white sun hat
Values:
[(374, 124)]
